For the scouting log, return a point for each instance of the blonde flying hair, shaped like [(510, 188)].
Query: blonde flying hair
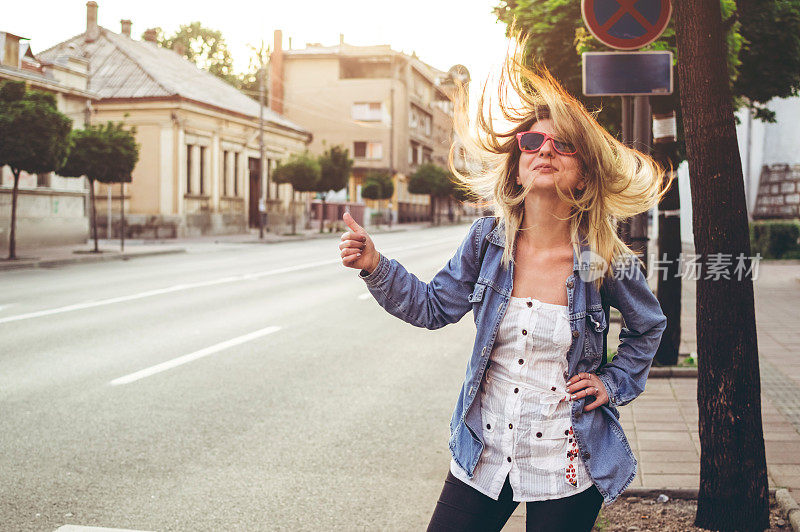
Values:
[(619, 181)]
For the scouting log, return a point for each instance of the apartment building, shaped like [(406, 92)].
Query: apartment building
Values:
[(391, 110)]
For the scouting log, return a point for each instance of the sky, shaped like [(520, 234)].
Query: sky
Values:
[(442, 33)]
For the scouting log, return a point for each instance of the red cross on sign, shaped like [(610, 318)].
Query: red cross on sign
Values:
[(626, 24)]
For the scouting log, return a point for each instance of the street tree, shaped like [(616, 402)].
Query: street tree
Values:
[(203, 46), (378, 186), (248, 81), (733, 475), (335, 165), (434, 181), (771, 56), (33, 138), (302, 171), (105, 153), (762, 40)]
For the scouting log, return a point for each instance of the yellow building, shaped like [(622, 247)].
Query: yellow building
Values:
[(199, 166), (392, 112)]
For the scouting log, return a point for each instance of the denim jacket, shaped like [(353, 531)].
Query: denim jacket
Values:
[(484, 287)]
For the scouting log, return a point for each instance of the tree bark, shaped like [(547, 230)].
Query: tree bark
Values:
[(12, 236), (322, 215), (733, 476), (122, 217), (94, 216)]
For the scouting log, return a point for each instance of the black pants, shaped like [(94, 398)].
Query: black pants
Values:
[(461, 507)]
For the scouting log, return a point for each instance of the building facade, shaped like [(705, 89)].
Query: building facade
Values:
[(50, 209), (199, 168), (390, 110)]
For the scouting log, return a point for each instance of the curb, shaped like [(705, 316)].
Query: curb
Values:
[(789, 507), (666, 372), (680, 493), (50, 263)]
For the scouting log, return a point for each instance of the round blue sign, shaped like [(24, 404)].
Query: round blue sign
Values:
[(626, 24)]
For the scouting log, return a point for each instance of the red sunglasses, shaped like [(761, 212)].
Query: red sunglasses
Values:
[(532, 141)]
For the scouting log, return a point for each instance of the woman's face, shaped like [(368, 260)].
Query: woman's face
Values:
[(547, 168)]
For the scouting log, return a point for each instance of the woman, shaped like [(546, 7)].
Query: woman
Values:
[(536, 419)]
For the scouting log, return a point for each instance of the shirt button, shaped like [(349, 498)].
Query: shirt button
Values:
[(489, 426), (510, 426), (575, 334), (552, 388), (508, 458), (586, 456), (570, 284), (538, 434), (516, 390), (524, 332), (521, 362), (566, 432), (530, 304)]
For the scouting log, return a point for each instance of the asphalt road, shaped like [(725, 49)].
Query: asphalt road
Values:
[(236, 387)]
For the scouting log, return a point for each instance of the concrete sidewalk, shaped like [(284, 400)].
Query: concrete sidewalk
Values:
[(54, 256), (662, 423)]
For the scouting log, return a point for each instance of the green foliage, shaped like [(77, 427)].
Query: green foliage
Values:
[(302, 171), (33, 138), (204, 47), (771, 53), (377, 186), (107, 153), (767, 37), (335, 165), (33, 133), (775, 239), (432, 180), (12, 91)]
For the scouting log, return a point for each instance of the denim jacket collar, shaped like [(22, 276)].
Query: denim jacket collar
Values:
[(497, 236)]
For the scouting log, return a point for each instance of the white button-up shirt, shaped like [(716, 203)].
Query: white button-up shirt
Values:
[(526, 410)]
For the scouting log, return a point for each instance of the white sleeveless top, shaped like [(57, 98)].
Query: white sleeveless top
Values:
[(525, 409)]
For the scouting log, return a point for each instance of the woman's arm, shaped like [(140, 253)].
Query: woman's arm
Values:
[(444, 300), (625, 376)]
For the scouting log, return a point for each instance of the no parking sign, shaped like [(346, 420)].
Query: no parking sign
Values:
[(626, 24)]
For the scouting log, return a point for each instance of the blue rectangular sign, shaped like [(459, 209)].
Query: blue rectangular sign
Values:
[(627, 73)]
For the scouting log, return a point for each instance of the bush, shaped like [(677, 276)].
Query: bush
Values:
[(776, 239)]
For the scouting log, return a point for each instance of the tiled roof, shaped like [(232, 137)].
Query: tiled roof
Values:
[(121, 67)]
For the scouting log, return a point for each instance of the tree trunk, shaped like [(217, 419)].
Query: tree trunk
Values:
[(122, 217), (322, 216), (733, 475), (12, 236), (94, 216), (294, 219)]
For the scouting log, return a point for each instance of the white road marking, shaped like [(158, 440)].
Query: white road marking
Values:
[(188, 286), (365, 296), (169, 364)]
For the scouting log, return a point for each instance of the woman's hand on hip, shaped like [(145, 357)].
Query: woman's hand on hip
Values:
[(356, 248), (585, 384)]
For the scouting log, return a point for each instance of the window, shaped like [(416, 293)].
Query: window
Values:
[(225, 173), (202, 168), (236, 174), (365, 67), (44, 180), (367, 111), (188, 168), (367, 150)]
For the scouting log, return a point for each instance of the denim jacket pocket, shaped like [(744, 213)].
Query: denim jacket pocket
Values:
[(595, 327)]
